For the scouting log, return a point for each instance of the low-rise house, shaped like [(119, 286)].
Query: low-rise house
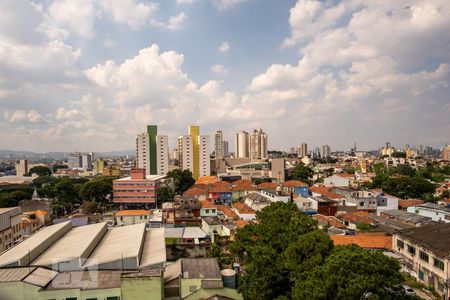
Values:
[(406, 217), (425, 253), (324, 191), (321, 205), (226, 213), (267, 186), (352, 219), (276, 195), (244, 212), (328, 221), (197, 278), (256, 201), (216, 229), (296, 187), (437, 212), (241, 188), (207, 209), (34, 220), (221, 193), (185, 236), (132, 216), (200, 193), (339, 180)]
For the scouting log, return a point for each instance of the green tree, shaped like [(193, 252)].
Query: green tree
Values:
[(399, 154), (165, 194), (407, 187), (91, 207), (11, 198), (182, 180), (303, 173), (40, 171), (363, 226), (350, 272), (97, 189), (57, 167)]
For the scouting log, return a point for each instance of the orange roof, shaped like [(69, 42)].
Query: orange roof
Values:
[(332, 221), (346, 175), (293, 183), (227, 211), (242, 181), (207, 204), (243, 187), (243, 209), (357, 216), (200, 186), (367, 241), (267, 186), (221, 184), (220, 189), (409, 202), (240, 223), (324, 192), (133, 212), (207, 180), (41, 212), (195, 191)]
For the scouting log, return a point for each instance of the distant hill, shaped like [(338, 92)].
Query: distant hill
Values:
[(14, 154)]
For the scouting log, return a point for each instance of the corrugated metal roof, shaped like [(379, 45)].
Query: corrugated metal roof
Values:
[(174, 232), (14, 274), (40, 277), (154, 251), (30, 248), (72, 245), (194, 233), (118, 243)]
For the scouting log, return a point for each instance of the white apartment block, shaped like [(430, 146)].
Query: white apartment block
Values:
[(22, 167), (144, 155), (185, 153), (241, 144), (204, 160), (258, 144)]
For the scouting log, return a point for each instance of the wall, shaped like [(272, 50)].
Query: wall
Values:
[(150, 288)]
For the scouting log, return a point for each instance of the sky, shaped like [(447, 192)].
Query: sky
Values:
[(88, 75)]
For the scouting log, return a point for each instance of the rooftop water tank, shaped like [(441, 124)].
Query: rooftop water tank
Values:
[(229, 278)]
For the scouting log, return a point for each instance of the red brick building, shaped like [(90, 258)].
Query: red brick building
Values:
[(139, 188)]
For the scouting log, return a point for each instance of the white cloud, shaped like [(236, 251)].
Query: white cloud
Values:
[(76, 15), (134, 14), (17, 116), (220, 4), (219, 69), (174, 22), (224, 47)]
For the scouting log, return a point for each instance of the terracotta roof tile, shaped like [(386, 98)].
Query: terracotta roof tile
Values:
[(332, 221), (357, 216), (240, 223), (243, 209), (207, 180), (409, 202), (194, 191), (227, 211), (207, 204), (267, 186), (294, 183), (324, 192), (133, 212), (242, 181), (367, 241)]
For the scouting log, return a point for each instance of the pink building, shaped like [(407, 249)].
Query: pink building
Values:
[(139, 188)]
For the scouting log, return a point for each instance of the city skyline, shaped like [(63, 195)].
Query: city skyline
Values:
[(82, 75)]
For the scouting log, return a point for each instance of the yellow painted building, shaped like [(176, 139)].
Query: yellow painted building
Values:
[(194, 132)]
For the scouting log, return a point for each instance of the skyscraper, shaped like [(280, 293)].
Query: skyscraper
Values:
[(326, 151), (302, 150), (152, 152), (241, 144), (22, 167), (218, 149), (258, 144), (226, 153), (193, 152)]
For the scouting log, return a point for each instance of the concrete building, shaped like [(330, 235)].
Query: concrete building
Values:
[(326, 151), (138, 188), (98, 165), (152, 152), (22, 167), (132, 216), (258, 144), (302, 150), (437, 212), (10, 227), (226, 152), (193, 153), (218, 144), (241, 144), (86, 162), (425, 255), (446, 153)]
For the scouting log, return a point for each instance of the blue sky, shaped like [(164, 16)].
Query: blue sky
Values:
[(89, 75)]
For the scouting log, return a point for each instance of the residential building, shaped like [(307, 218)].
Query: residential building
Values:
[(275, 195), (86, 162), (326, 151), (22, 167), (258, 144), (152, 152), (98, 165), (207, 209), (338, 180), (241, 144), (139, 188), (244, 212), (273, 169), (218, 149), (257, 201), (425, 255), (446, 153), (296, 187), (132, 216), (226, 152), (437, 212), (302, 150), (10, 227), (216, 229), (193, 153)]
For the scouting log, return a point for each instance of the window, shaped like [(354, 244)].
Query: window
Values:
[(439, 264), (412, 250), (192, 288), (91, 299), (113, 298), (423, 256), (71, 298)]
